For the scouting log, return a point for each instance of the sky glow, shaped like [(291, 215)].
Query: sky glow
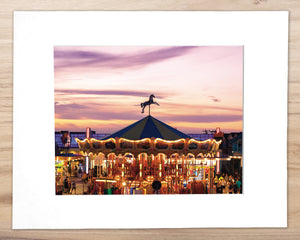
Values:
[(102, 87)]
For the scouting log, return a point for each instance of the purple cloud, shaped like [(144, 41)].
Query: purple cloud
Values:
[(111, 92), (93, 111), (213, 98), (103, 112), (73, 58), (71, 106), (82, 55), (203, 118), (175, 105)]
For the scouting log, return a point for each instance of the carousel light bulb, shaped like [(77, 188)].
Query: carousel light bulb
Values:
[(124, 183)]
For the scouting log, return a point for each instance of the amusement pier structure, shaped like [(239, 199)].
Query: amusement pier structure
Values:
[(150, 150)]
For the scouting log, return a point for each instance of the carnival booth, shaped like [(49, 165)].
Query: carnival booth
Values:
[(150, 157), (67, 164)]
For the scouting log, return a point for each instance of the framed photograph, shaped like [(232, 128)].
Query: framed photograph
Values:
[(150, 119)]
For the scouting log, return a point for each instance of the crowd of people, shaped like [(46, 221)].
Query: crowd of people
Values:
[(222, 184), (231, 184)]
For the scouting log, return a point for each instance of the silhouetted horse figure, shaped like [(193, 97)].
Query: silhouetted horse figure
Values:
[(148, 103)]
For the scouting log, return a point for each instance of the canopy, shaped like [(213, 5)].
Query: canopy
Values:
[(148, 127)]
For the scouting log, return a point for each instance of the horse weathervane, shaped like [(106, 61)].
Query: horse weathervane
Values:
[(148, 103)]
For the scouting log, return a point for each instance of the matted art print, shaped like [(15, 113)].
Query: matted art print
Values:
[(149, 119)]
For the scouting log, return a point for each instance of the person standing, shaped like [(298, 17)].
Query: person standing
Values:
[(216, 180), (73, 187), (219, 187), (235, 189), (223, 184), (80, 173), (226, 177), (238, 184), (66, 185)]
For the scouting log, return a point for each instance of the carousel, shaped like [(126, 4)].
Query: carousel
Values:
[(151, 157)]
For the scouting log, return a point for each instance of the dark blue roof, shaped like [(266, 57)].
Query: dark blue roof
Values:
[(148, 127)]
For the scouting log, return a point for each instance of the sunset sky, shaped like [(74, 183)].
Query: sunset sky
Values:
[(102, 87)]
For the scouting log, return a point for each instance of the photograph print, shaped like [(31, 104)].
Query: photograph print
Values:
[(148, 120)]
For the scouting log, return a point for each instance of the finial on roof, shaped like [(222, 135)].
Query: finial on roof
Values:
[(148, 103)]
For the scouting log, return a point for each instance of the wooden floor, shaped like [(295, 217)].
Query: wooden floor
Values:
[(6, 44)]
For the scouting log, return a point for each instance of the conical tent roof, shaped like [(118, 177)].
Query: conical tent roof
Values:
[(146, 128)]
